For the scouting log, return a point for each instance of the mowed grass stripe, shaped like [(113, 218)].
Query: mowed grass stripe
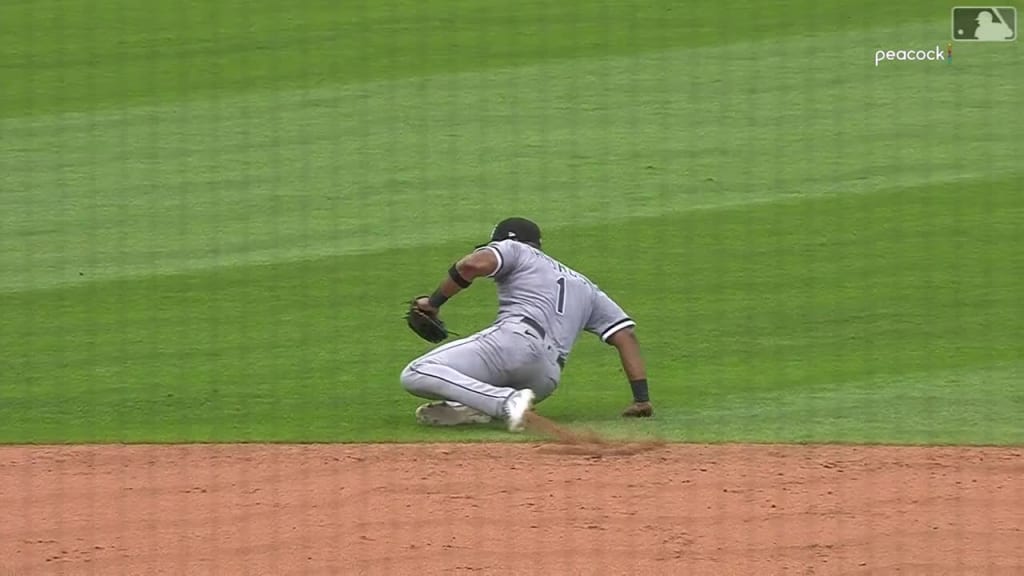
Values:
[(80, 55), (938, 407), (771, 300), (276, 176)]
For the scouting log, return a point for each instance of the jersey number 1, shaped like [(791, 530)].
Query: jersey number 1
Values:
[(560, 306)]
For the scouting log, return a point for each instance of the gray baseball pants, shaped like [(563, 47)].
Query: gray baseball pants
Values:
[(484, 369)]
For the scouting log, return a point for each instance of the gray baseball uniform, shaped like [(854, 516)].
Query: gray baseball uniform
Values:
[(543, 307)]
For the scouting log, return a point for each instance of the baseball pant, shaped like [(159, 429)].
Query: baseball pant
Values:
[(484, 369)]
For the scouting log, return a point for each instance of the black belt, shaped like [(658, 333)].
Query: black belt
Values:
[(534, 324), (542, 333)]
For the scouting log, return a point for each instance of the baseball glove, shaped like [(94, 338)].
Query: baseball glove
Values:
[(425, 324)]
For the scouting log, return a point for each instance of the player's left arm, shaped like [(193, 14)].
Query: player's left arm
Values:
[(480, 263), (611, 323), (626, 342)]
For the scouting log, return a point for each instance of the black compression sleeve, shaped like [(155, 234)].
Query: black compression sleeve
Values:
[(640, 393)]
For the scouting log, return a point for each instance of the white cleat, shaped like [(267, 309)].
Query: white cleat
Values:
[(516, 406), (449, 414)]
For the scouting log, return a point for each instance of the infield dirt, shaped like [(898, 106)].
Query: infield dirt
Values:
[(542, 508)]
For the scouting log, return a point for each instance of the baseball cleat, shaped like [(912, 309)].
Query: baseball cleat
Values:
[(449, 414), (515, 408)]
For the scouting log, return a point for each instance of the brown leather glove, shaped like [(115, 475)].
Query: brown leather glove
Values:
[(425, 322), (639, 410)]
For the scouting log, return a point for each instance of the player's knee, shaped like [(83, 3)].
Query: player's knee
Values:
[(544, 389), (413, 381)]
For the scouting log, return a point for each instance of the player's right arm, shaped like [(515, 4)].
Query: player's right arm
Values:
[(611, 323), (626, 342)]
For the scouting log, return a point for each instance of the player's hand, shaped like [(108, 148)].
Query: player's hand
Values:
[(424, 305), (639, 410)]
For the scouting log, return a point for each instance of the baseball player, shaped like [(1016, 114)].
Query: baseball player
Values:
[(503, 370)]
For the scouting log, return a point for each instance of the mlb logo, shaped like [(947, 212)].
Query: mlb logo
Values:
[(985, 23)]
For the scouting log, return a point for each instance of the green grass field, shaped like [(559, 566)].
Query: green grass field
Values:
[(212, 212)]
